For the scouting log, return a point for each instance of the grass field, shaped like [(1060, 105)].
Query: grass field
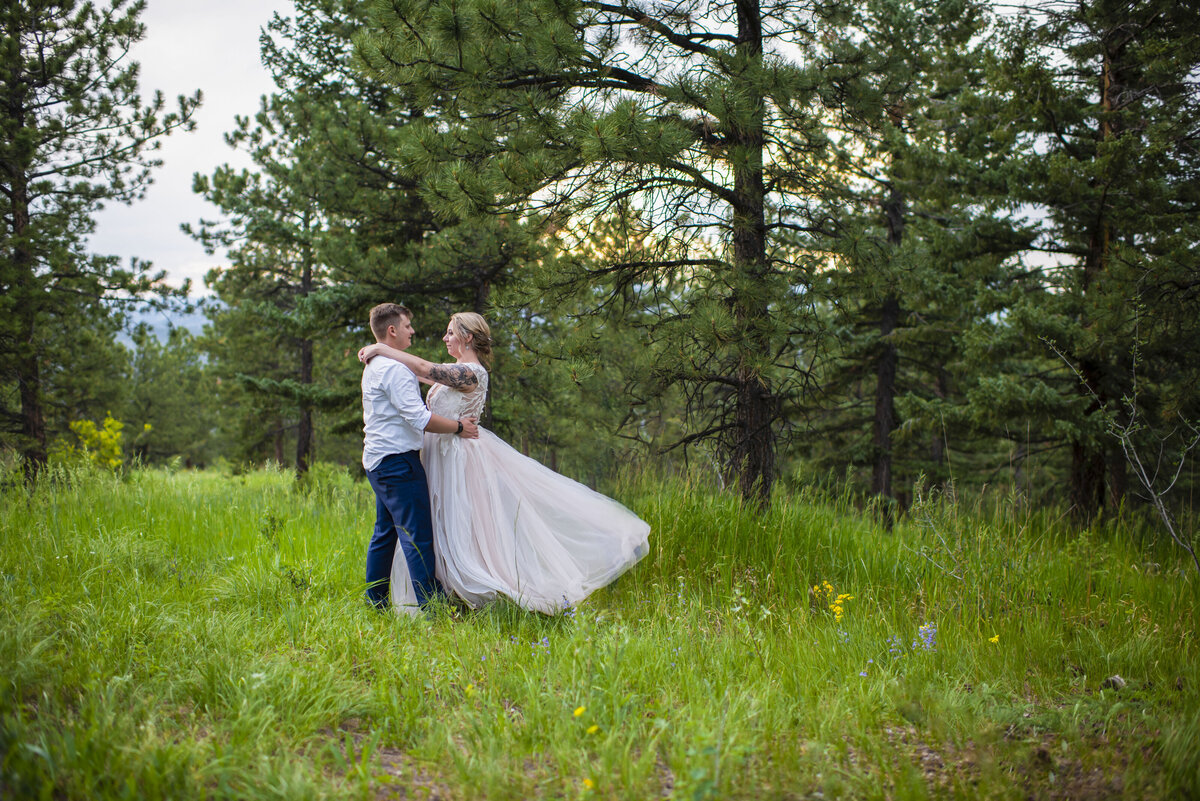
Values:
[(188, 635)]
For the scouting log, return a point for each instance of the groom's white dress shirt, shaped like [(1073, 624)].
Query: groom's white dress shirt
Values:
[(394, 416)]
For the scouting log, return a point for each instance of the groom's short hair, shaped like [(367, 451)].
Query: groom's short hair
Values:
[(386, 314)]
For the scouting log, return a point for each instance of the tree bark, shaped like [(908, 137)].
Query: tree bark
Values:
[(1088, 460), (33, 422), (1087, 480), (753, 452), (938, 446), (887, 363), (885, 399), (28, 373), (304, 431)]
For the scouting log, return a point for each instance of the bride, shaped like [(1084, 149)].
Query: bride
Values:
[(503, 523)]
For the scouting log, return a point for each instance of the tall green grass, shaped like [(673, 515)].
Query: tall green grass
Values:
[(197, 634)]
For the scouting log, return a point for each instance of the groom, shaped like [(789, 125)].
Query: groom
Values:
[(394, 419)]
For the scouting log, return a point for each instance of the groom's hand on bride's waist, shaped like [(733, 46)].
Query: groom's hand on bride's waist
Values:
[(470, 429)]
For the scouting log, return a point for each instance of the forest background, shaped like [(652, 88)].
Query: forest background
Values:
[(882, 245), (752, 267)]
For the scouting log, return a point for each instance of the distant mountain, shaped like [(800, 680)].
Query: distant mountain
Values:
[(161, 321)]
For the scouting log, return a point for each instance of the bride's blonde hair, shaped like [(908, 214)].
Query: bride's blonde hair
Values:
[(481, 336)]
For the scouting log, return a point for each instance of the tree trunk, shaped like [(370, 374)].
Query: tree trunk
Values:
[(1087, 458), (28, 373), (938, 446), (1090, 462), (304, 431), (483, 291), (753, 452), (278, 441), (33, 423), (887, 363), (1087, 480), (885, 400)]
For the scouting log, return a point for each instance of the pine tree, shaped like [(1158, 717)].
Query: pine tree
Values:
[(383, 240), (580, 394), (696, 115), (273, 229), (923, 230), (328, 148), (75, 134), (1107, 98)]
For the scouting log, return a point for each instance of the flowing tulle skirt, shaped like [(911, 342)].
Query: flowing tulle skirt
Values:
[(505, 524)]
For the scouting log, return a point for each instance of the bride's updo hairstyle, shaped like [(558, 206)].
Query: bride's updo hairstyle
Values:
[(473, 325)]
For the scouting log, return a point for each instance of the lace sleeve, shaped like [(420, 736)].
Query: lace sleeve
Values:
[(477, 397)]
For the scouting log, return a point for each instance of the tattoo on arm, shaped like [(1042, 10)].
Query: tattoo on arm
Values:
[(455, 376)]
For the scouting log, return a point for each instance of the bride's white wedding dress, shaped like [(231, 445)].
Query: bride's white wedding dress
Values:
[(504, 524)]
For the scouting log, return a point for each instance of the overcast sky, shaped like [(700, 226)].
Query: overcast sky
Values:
[(211, 45)]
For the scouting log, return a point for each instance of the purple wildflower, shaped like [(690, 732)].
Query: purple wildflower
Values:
[(928, 637)]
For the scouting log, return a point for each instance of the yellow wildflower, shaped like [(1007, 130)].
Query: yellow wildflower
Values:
[(836, 607), (994, 638), (593, 729), (579, 710), (588, 783)]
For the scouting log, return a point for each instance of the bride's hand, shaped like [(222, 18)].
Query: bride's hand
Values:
[(369, 352)]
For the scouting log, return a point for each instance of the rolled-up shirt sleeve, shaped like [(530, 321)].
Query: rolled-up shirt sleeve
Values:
[(402, 390)]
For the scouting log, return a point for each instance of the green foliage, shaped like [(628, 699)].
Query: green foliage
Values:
[(833, 243), (99, 445), (566, 115), (326, 225), (84, 369), (1104, 96), (719, 239), (576, 389), (171, 400), (75, 134), (925, 248), (1002, 209), (273, 233), (194, 634)]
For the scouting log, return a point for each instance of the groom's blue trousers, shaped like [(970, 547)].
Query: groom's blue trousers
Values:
[(402, 516)]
